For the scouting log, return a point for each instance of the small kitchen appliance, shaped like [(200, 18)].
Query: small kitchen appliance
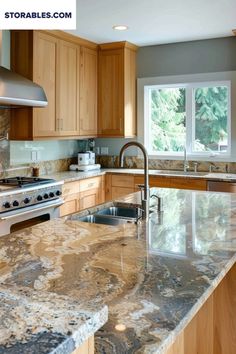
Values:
[(86, 162)]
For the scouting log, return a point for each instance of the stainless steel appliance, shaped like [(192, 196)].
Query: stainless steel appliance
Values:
[(221, 186), (28, 201), (16, 90)]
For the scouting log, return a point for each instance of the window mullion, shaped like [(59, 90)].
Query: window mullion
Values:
[(189, 119)]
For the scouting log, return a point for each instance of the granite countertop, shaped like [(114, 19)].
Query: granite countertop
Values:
[(69, 176), (57, 277)]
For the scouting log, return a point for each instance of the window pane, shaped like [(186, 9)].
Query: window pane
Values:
[(211, 113), (167, 120)]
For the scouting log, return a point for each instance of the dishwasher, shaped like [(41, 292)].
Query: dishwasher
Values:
[(218, 186)]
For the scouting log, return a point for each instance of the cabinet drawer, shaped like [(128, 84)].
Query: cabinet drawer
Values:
[(69, 207), (122, 181), (118, 192), (187, 183), (90, 183), (70, 188)]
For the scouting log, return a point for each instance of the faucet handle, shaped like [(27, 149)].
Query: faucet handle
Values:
[(141, 187), (159, 202)]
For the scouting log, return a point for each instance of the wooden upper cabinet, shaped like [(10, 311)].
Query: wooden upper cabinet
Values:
[(45, 49), (52, 59), (67, 122), (117, 90), (88, 92)]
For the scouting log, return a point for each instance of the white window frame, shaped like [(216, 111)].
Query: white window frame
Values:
[(178, 80), (190, 115)]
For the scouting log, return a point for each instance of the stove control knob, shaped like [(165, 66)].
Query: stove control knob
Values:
[(58, 193), (51, 194), (15, 203), (39, 198), (7, 205), (45, 196), (26, 200)]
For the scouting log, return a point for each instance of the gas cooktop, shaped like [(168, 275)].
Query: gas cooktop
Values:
[(22, 182)]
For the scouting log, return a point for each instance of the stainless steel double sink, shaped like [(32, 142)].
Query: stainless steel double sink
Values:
[(113, 215)]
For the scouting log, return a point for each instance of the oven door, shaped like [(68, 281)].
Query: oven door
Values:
[(18, 219)]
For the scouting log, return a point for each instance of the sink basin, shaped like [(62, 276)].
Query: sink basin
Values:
[(121, 212), (111, 216), (102, 219)]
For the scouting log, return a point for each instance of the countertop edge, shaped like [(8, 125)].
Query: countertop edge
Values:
[(195, 308), (72, 176), (83, 333)]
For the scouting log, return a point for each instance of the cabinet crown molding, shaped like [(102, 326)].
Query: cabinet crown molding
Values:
[(117, 45)]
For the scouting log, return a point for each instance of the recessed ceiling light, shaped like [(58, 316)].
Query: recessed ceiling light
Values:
[(120, 27)]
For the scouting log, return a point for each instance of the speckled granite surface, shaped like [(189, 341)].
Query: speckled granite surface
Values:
[(153, 276), (69, 176), (34, 318)]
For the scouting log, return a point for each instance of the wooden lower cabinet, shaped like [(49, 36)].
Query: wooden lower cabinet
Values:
[(118, 185), (82, 194), (89, 198), (213, 328), (172, 182), (86, 348), (70, 194)]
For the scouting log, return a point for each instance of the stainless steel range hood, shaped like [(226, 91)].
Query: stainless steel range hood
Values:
[(16, 90)]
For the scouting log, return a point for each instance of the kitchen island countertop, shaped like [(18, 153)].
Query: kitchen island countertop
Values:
[(57, 277)]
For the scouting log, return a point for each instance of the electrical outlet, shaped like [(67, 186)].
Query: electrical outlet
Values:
[(104, 150), (34, 155)]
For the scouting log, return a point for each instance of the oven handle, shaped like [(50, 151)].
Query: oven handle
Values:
[(53, 205)]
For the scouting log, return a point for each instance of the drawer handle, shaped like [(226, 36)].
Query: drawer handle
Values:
[(90, 185)]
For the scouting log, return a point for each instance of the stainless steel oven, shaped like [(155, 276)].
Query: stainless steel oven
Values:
[(26, 201)]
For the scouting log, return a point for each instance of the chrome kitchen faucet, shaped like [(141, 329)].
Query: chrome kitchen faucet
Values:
[(146, 195)]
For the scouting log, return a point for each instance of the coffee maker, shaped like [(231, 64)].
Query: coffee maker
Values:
[(86, 162)]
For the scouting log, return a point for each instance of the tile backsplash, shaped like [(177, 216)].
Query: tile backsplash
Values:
[(4, 143), (155, 164)]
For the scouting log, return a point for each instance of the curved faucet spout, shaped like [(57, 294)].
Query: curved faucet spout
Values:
[(146, 176)]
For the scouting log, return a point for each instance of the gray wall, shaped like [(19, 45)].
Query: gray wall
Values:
[(212, 55)]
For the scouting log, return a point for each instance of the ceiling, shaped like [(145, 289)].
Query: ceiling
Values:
[(155, 21)]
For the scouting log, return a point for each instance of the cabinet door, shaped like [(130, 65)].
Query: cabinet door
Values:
[(89, 198), (111, 93), (66, 108), (44, 74), (88, 92), (70, 194)]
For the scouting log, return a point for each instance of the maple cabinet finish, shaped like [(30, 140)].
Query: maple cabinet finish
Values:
[(56, 61), (118, 184), (70, 194), (117, 90), (67, 121), (79, 195), (88, 92), (172, 182), (213, 328), (86, 348)]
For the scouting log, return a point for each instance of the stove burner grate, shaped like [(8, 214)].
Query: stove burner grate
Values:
[(22, 182)]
